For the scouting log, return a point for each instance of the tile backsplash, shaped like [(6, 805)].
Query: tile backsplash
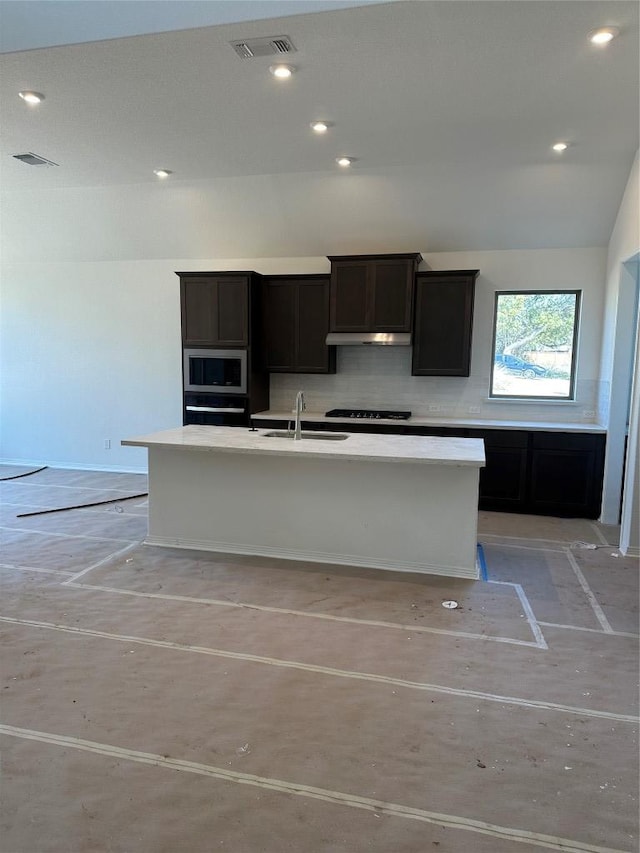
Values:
[(380, 378)]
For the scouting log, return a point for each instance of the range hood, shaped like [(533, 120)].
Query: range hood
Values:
[(346, 339)]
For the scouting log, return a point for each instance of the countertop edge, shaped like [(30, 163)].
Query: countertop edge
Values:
[(177, 439)]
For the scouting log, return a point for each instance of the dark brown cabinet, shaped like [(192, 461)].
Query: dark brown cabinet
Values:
[(566, 472), (542, 473), (443, 323), (215, 309), (503, 480), (296, 322), (372, 293), (223, 311)]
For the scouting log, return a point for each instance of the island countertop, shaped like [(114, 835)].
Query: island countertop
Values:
[(356, 447)]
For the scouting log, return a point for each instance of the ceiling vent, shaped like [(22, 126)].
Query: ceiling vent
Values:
[(32, 159), (268, 46)]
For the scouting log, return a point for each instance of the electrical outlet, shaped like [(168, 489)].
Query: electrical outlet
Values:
[(588, 413), (107, 444), (435, 408), (474, 410)]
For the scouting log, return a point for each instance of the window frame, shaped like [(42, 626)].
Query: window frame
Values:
[(571, 396)]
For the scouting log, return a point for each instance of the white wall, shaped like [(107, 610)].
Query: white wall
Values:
[(88, 353), (620, 329), (623, 245), (91, 351), (630, 521)]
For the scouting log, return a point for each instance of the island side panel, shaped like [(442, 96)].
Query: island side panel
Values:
[(390, 515)]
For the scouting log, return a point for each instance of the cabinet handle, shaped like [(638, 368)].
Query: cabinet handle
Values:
[(215, 409)]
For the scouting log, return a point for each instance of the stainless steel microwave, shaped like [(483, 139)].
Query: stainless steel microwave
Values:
[(217, 370)]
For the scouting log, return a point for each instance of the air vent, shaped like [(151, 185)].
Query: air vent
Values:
[(250, 48), (32, 159)]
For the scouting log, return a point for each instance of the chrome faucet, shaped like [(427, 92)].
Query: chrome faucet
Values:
[(300, 407)]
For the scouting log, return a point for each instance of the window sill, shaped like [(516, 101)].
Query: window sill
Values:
[(548, 401)]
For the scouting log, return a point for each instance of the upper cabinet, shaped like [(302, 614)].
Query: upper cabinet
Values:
[(283, 320), (296, 322), (372, 293), (215, 308), (443, 323)]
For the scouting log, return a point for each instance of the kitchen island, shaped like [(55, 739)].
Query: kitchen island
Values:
[(402, 503)]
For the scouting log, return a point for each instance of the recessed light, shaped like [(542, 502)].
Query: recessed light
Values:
[(604, 35), (282, 71), (320, 126), (345, 161), (31, 97), (162, 173), (560, 146)]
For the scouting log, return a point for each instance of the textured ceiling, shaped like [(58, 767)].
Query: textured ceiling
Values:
[(449, 107), (45, 23)]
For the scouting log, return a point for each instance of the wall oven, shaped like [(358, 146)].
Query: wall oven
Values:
[(215, 410), (215, 370)]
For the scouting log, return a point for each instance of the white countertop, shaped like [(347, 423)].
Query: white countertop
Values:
[(468, 423), (356, 447)]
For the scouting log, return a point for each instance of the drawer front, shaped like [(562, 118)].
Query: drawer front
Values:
[(565, 441), (501, 437)]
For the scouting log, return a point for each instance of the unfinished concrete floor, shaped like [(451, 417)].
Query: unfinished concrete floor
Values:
[(157, 701)]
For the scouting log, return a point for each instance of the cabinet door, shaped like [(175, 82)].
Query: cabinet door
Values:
[(296, 322), (392, 295), (279, 305), (350, 296), (566, 474), (503, 480), (443, 324), (231, 312), (215, 311), (312, 353), (197, 298)]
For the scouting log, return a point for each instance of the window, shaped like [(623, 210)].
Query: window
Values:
[(534, 344)]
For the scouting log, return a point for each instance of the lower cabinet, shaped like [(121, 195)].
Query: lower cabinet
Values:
[(527, 471), (539, 473), (566, 473), (542, 473), (503, 481)]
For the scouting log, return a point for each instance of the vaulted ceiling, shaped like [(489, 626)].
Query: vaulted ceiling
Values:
[(449, 107)]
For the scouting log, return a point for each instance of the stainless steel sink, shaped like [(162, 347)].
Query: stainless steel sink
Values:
[(318, 436)]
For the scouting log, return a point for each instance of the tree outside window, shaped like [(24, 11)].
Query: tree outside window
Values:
[(534, 342)]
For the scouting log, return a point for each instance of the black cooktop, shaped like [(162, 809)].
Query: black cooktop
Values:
[(376, 414)]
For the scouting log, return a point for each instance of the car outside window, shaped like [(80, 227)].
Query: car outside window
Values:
[(534, 343)]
